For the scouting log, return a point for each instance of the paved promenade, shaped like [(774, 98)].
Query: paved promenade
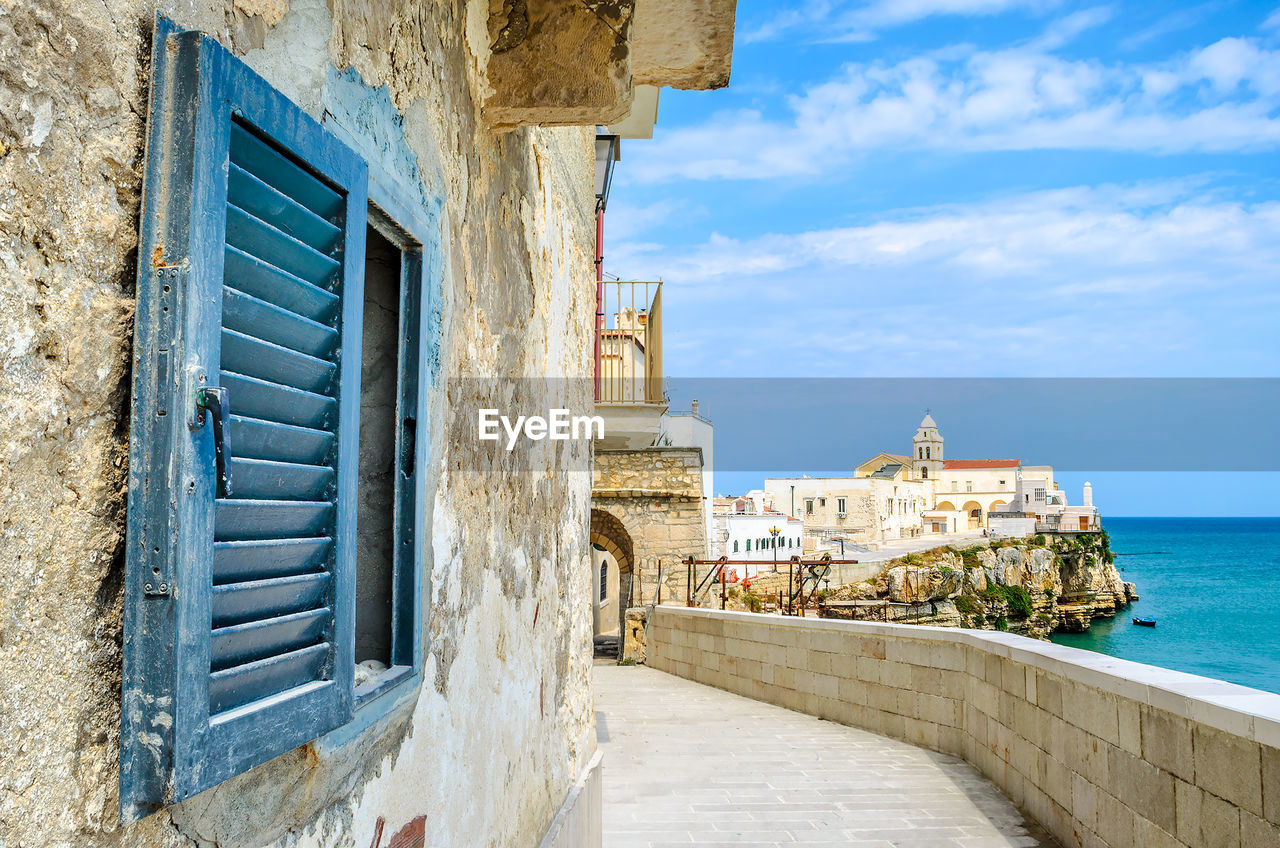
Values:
[(687, 764)]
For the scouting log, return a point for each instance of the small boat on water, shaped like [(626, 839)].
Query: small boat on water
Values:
[(1144, 622)]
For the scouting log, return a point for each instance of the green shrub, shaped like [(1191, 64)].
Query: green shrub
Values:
[(966, 604), (913, 559), (1001, 623), (1018, 600), (753, 602)]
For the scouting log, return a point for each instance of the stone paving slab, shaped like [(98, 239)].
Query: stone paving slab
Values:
[(693, 766)]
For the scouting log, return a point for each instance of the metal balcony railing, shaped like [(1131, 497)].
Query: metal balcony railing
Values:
[(629, 342)]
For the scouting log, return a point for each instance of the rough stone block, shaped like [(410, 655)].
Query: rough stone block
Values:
[(1130, 725), (1148, 835), (925, 679), (1049, 693), (1145, 789), (1013, 678), (1166, 742), (1115, 821), (868, 669), (1271, 783), (684, 43), (1092, 710), (1084, 801), (1228, 766), (1258, 833)]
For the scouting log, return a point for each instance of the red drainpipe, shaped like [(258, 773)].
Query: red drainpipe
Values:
[(599, 291)]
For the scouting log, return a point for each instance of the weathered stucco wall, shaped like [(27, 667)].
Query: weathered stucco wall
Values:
[(501, 730)]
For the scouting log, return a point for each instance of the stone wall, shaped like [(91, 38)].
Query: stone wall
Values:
[(489, 748), (1101, 751), (655, 496)]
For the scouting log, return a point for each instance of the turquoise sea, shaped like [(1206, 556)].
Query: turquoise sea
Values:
[(1212, 584)]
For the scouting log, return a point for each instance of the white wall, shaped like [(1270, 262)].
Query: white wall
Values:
[(753, 528), (690, 430)]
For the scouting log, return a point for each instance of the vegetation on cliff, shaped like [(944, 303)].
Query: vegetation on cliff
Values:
[(1032, 586)]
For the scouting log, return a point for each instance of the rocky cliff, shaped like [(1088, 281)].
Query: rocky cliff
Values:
[(1031, 586)]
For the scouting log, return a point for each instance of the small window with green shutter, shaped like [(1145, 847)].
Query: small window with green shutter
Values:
[(245, 468)]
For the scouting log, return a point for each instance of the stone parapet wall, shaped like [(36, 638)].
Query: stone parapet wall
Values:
[(1102, 751)]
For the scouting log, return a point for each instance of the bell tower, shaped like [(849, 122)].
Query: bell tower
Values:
[(926, 453)]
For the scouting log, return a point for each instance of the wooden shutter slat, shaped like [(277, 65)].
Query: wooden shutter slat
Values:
[(252, 397), (258, 238), (243, 684), (261, 479), (266, 361), (281, 173), (242, 643), (254, 438), (236, 603), (250, 274), (259, 559), (235, 520), (280, 211), (257, 317)]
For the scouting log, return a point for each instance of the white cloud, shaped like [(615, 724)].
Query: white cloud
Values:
[(1157, 278), (1220, 98), (831, 20)]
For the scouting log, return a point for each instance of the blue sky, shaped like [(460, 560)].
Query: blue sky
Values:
[(976, 188)]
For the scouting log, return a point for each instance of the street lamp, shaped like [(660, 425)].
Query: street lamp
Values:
[(608, 151), (774, 531)]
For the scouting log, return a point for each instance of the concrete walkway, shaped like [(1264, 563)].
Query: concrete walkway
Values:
[(687, 764)]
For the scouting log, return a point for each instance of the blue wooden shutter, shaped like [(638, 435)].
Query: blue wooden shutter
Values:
[(239, 600)]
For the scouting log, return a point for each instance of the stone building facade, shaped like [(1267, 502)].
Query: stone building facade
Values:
[(458, 106), (647, 511)]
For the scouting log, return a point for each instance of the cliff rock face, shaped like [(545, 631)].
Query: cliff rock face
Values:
[(1027, 587)]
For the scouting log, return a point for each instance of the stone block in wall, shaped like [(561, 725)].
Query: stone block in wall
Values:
[(1143, 787), (1271, 783), (1228, 766), (1166, 742), (633, 635), (1258, 833), (559, 63)]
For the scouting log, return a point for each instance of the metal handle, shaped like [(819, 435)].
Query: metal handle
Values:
[(218, 402)]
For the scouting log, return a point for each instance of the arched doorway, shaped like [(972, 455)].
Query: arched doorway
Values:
[(613, 560), (973, 510)]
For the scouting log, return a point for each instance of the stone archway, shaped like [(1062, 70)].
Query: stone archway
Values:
[(608, 531), (946, 505), (973, 510), (609, 534)]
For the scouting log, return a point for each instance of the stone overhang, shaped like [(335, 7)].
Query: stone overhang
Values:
[(577, 62)]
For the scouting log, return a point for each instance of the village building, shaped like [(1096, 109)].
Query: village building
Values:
[(866, 509), (902, 496), (263, 263), (744, 532)]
